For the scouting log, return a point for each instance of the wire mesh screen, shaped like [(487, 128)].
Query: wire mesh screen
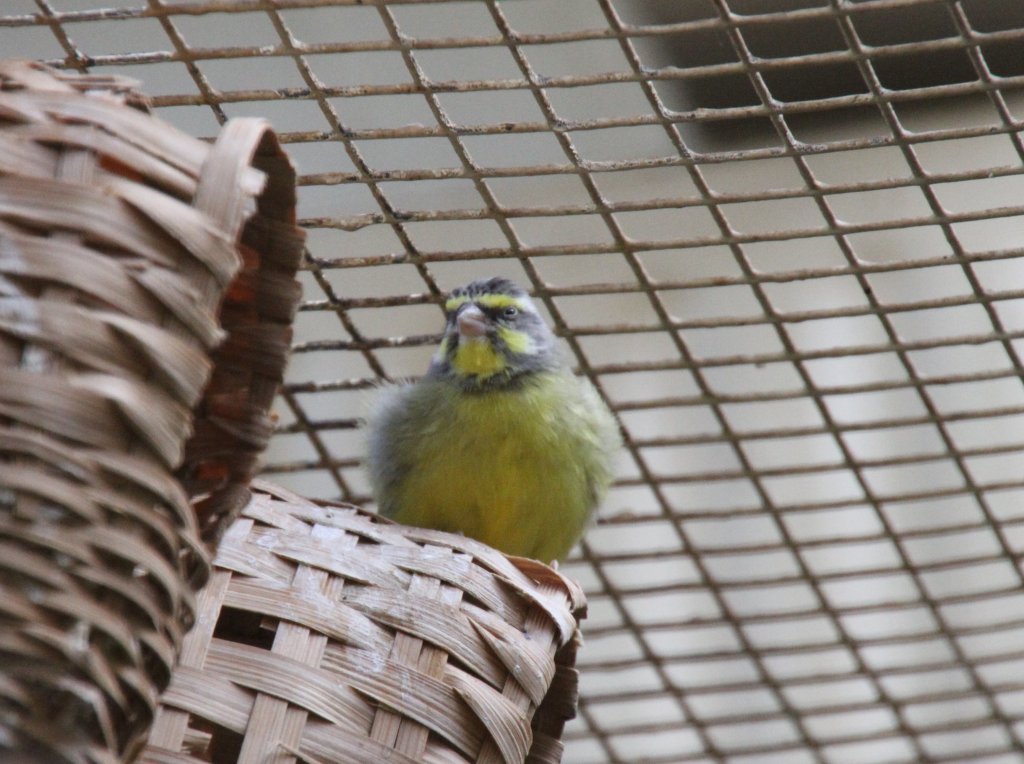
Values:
[(782, 237)]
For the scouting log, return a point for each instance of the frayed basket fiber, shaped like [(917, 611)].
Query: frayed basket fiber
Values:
[(327, 635), (146, 296)]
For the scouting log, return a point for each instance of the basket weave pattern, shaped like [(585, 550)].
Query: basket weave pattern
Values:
[(117, 245), (332, 635)]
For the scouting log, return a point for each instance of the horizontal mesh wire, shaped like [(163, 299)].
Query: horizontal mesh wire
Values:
[(783, 239)]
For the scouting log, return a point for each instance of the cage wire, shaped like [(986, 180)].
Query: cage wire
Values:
[(782, 237)]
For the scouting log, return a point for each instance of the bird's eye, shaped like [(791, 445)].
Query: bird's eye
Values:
[(510, 312)]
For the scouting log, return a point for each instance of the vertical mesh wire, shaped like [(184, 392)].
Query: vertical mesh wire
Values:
[(782, 238)]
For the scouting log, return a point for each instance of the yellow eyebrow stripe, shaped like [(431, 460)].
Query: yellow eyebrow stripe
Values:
[(454, 302), (500, 301), (486, 301)]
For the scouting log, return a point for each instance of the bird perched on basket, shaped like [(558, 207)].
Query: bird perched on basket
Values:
[(499, 440)]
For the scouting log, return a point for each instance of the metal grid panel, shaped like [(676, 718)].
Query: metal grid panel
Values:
[(782, 239)]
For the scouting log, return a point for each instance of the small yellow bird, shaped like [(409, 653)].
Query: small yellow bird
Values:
[(499, 441)]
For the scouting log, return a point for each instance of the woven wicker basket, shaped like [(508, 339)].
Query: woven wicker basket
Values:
[(327, 634), (126, 258)]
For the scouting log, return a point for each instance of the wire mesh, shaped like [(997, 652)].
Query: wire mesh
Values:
[(783, 240)]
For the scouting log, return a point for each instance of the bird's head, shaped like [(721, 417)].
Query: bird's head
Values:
[(493, 336)]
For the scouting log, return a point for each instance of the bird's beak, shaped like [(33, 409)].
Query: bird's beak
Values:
[(471, 322)]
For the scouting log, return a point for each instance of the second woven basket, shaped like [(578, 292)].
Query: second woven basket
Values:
[(327, 634)]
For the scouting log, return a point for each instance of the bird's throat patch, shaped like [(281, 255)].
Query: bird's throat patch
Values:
[(478, 358)]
